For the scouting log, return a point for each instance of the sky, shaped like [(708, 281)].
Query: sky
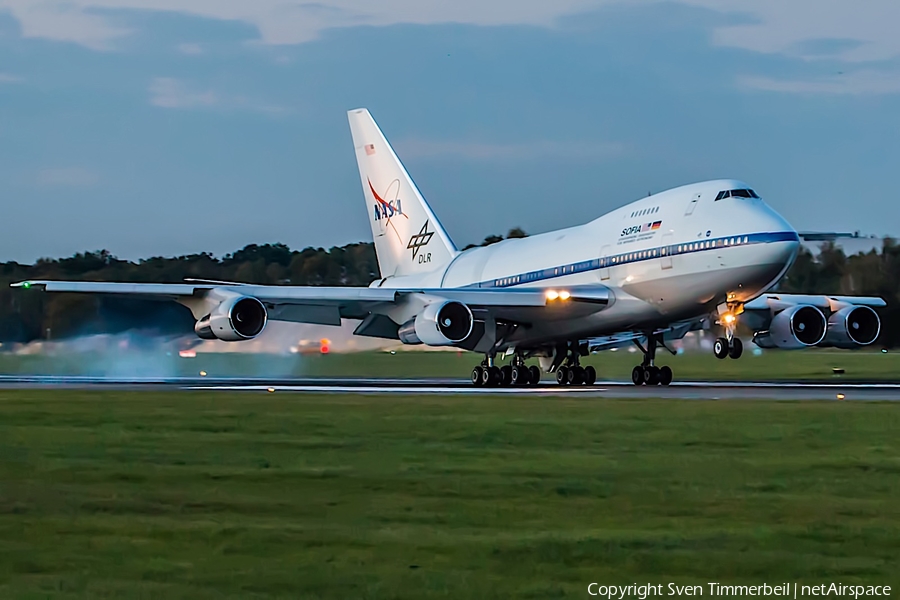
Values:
[(169, 127)]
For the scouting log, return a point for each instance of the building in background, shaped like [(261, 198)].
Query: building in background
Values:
[(849, 243)]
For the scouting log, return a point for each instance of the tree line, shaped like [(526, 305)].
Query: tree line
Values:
[(26, 316)]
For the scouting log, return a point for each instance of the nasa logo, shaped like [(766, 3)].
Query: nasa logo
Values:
[(385, 209), (388, 210)]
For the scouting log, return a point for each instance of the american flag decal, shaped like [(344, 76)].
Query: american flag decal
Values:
[(370, 149)]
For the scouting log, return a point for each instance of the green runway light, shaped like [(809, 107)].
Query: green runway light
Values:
[(26, 285)]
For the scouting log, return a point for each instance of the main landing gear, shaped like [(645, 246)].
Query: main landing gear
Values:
[(570, 371), (566, 364), (729, 346), (648, 373), (487, 374)]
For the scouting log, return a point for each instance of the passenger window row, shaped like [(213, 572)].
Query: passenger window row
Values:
[(619, 259), (672, 250)]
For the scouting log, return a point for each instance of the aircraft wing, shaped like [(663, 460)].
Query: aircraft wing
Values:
[(769, 301), (328, 305), (800, 320)]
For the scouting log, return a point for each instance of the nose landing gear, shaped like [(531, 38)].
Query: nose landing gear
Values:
[(725, 348), (729, 346)]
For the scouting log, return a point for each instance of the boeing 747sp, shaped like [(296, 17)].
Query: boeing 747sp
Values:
[(696, 256)]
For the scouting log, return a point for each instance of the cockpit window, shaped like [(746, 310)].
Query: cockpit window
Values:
[(736, 194)]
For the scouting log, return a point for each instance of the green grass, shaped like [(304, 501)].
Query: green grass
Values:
[(192, 495), (771, 365)]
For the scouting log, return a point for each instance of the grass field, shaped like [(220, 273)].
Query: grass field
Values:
[(177, 495), (771, 365)]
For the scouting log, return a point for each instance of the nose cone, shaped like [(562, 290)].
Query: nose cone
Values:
[(765, 261), (783, 242), (783, 231), (777, 222)]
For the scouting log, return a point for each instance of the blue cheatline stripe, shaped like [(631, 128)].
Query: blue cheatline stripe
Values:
[(625, 258)]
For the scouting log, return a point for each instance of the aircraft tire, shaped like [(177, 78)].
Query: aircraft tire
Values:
[(562, 376), (637, 375), (590, 375), (520, 375), (535, 375), (736, 349), (720, 348), (651, 375), (478, 376), (505, 376), (665, 375), (575, 376), (494, 376)]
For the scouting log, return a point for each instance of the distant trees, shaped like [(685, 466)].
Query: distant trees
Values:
[(831, 272), (28, 316), (870, 274), (515, 232)]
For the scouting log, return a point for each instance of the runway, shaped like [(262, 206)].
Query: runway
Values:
[(693, 390)]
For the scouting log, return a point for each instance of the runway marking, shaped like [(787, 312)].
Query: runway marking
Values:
[(429, 385), (686, 390)]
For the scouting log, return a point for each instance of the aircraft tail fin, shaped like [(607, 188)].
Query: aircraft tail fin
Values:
[(409, 239)]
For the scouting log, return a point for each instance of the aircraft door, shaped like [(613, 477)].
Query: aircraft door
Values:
[(692, 205), (666, 251), (604, 262)]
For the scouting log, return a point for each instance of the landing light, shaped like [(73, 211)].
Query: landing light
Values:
[(552, 295), (728, 318)]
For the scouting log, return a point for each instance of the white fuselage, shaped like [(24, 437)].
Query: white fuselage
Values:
[(669, 256)]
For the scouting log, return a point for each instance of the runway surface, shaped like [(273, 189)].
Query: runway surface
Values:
[(604, 389)]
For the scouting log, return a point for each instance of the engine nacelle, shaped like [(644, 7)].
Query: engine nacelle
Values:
[(795, 327), (234, 319), (439, 324), (852, 327)]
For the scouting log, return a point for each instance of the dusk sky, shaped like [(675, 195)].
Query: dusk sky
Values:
[(166, 127)]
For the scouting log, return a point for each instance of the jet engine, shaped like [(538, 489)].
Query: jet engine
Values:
[(234, 319), (852, 326), (439, 324), (794, 327)]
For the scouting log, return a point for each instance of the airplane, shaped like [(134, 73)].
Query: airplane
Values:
[(694, 257)]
